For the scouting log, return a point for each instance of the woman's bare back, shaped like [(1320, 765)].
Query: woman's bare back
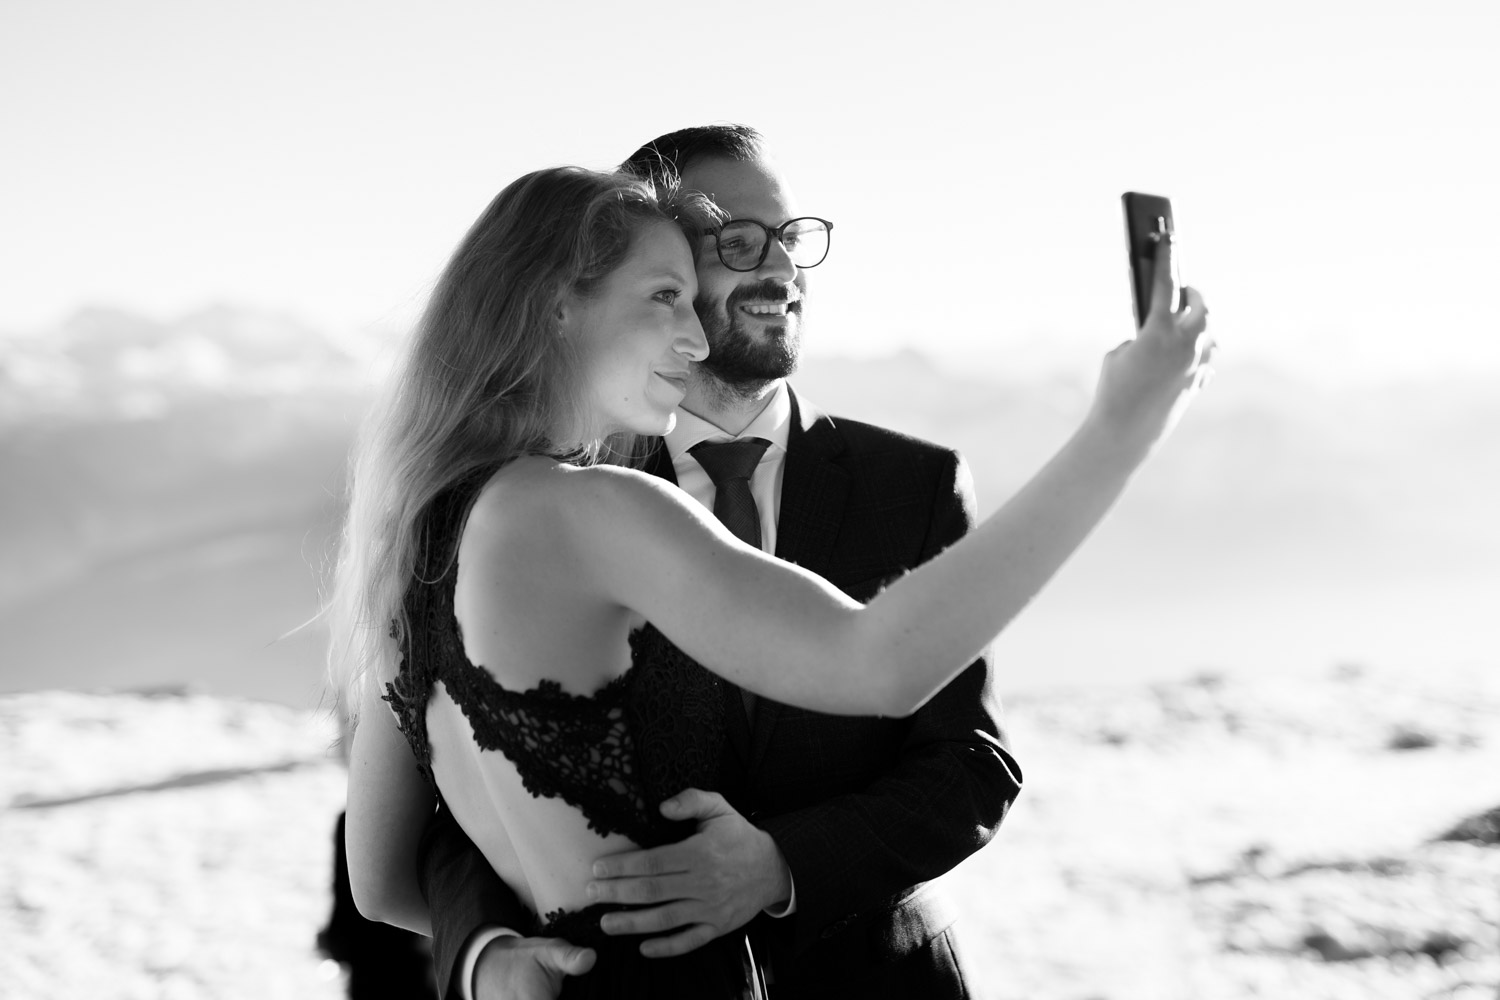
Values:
[(555, 722)]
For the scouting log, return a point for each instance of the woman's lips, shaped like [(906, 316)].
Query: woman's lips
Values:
[(678, 381)]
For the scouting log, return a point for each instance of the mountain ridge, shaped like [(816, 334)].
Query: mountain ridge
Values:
[(181, 539)]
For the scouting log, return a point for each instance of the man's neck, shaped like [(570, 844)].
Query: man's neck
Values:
[(729, 408)]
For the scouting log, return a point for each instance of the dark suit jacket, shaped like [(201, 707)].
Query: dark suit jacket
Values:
[(865, 810)]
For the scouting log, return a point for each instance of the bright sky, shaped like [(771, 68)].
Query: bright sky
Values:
[(1334, 165)]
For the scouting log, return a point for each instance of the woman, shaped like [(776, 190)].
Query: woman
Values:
[(521, 572)]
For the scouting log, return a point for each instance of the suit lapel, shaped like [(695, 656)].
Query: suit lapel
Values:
[(814, 490)]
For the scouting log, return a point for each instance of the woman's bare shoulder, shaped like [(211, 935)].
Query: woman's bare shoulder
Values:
[(536, 498), (520, 500)]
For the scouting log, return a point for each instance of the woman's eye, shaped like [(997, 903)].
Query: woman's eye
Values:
[(668, 296)]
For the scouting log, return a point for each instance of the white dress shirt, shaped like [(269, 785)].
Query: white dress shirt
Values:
[(772, 423)]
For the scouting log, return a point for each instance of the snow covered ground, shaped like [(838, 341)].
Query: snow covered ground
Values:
[(1214, 838)]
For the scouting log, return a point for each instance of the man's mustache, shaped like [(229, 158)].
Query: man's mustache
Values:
[(769, 290)]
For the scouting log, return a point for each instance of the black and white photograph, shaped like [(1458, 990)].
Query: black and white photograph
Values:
[(698, 502)]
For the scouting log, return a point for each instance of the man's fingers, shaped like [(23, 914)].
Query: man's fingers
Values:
[(656, 889), (652, 921), (637, 864), (528, 968), (694, 803), (567, 958), (679, 944)]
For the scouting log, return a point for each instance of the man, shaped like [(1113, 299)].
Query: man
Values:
[(828, 827)]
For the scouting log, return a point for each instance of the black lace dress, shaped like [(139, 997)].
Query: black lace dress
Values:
[(613, 755)]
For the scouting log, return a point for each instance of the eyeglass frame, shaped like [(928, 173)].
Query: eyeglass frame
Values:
[(765, 248)]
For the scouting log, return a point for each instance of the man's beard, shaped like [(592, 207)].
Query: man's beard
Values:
[(735, 359)]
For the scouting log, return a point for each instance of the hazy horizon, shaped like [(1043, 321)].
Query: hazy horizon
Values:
[(1024, 357), (172, 490)]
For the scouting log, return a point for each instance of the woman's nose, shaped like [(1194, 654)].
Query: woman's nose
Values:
[(690, 341)]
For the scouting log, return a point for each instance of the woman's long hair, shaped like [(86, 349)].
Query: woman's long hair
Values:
[(486, 377)]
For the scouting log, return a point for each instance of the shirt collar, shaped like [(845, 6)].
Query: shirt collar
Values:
[(772, 423)]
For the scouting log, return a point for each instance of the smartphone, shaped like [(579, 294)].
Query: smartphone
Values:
[(1147, 218)]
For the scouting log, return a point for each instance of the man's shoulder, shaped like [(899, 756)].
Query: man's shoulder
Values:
[(864, 442), (861, 435)]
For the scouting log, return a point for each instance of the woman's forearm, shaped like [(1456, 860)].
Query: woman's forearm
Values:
[(936, 619), (954, 605), (389, 805)]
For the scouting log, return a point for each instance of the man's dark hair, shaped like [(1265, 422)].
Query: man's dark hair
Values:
[(663, 159)]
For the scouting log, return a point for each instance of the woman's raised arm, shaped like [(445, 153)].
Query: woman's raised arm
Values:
[(784, 633)]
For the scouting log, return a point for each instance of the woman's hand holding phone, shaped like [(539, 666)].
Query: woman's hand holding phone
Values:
[(1148, 382)]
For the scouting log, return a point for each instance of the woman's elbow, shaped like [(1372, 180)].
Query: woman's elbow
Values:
[(376, 895), (389, 903), (868, 675), (896, 695), (905, 702), (899, 685), (373, 898)]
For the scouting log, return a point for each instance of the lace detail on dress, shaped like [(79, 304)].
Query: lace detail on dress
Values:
[(407, 695), (677, 716), (577, 748), (614, 755)]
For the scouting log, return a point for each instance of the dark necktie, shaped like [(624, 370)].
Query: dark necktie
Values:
[(730, 464)]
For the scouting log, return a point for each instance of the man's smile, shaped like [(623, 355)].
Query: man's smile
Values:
[(769, 308), (768, 302)]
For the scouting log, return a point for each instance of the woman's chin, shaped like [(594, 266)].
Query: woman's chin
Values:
[(657, 425)]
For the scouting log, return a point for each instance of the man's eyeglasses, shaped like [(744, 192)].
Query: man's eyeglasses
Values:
[(744, 243)]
